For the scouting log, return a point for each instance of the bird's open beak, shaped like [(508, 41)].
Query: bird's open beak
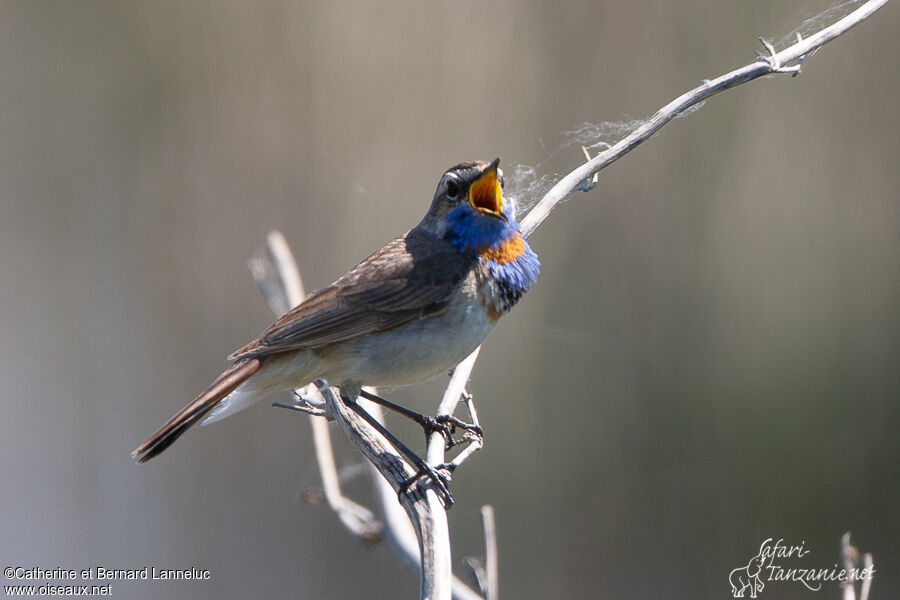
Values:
[(485, 193)]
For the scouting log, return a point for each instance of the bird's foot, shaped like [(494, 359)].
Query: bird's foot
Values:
[(439, 476), (447, 425)]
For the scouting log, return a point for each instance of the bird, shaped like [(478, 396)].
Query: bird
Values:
[(409, 311)]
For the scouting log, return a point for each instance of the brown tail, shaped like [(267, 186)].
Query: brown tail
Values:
[(226, 383)]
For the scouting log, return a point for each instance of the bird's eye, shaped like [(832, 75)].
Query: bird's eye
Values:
[(452, 189), (501, 181)]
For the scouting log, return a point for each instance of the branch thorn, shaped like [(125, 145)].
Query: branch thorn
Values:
[(775, 62), (590, 183)]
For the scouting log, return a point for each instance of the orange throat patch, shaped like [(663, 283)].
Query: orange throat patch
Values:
[(506, 252)]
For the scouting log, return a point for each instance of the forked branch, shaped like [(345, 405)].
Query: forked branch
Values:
[(421, 503)]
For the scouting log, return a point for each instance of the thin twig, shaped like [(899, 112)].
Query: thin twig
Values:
[(849, 556), (851, 560), (420, 502), (278, 277), (779, 62), (453, 395), (491, 591), (869, 566)]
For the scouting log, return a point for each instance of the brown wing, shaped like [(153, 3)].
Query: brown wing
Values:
[(408, 278)]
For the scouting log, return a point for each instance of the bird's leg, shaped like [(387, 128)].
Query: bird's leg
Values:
[(445, 424), (440, 480)]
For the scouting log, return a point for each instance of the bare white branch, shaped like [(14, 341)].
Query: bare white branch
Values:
[(278, 277), (864, 574), (492, 588), (776, 62), (279, 280), (849, 555), (866, 587)]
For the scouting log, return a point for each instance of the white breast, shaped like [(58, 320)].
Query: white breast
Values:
[(414, 351)]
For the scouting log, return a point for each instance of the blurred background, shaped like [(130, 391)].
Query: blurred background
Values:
[(710, 357)]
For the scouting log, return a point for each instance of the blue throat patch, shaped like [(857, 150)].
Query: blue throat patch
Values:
[(487, 236), (471, 231), (518, 274)]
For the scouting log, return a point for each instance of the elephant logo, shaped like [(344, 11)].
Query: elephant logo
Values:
[(747, 578)]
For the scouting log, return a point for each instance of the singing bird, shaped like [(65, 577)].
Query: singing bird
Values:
[(411, 310)]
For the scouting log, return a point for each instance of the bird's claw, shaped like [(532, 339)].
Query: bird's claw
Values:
[(439, 476), (447, 425)]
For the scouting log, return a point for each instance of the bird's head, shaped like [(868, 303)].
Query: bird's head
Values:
[(469, 206)]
